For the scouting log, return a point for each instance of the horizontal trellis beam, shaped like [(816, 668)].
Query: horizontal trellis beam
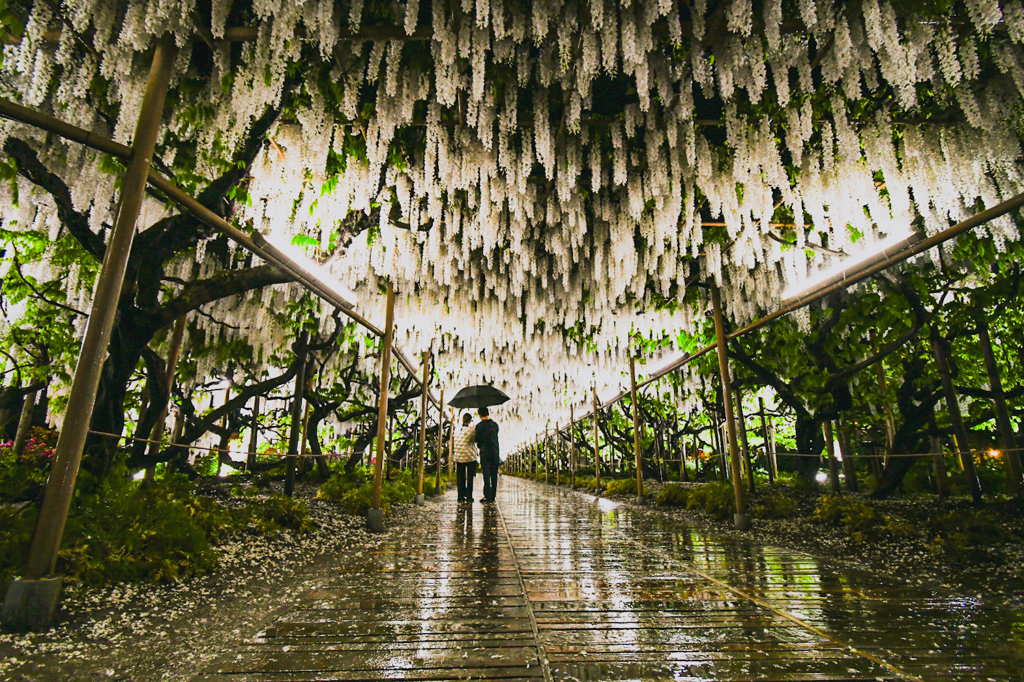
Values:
[(855, 276), (103, 144)]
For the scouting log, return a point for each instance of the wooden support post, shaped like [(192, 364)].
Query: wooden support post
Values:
[(833, 464), (375, 517), (748, 464), (28, 408), (304, 439), (883, 390), (423, 426), (451, 447), (768, 464), (963, 446), (572, 449), (742, 521), (719, 444), (558, 455), (389, 450), (1007, 439), (682, 461), (597, 445), (547, 454), (939, 461), (295, 429), (179, 426), (225, 439), (440, 441), (846, 451), (254, 434), (659, 454), (60, 486), (876, 468), (636, 428)]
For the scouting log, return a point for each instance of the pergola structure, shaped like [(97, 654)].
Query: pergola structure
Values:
[(527, 182)]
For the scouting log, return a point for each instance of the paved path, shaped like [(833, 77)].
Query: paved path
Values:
[(552, 585)]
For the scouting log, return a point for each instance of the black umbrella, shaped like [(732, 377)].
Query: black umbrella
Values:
[(478, 396)]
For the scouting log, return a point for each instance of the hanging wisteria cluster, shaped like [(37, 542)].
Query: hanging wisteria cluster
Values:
[(548, 174)]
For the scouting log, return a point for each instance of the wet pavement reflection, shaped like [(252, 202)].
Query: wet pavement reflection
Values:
[(548, 584)]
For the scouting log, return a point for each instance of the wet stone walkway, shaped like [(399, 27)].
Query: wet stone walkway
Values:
[(553, 585)]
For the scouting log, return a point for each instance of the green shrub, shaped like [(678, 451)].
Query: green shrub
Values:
[(830, 510), (277, 513), (774, 507), (122, 532), (717, 499), (358, 501), (958, 536), (864, 522), (621, 486), (16, 526), (673, 496), (356, 495), (430, 489), (335, 487), (791, 479)]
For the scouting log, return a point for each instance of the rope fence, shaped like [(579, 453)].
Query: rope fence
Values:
[(340, 455), (758, 451), (328, 455)]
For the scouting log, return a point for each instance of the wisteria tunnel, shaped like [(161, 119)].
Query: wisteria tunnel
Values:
[(511, 339)]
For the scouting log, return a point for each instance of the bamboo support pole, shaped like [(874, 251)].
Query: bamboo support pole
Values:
[(223, 446), (1004, 427), (681, 445), (742, 521), (883, 390), (572, 449), (547, 454), (423, 428), (440, 444), (173, 353), (939, 462), (833, 464), (389, 450), (558, 456), (767, 445), (636, 429), (659, 451), (304, 439), (953, 406), (451, 447), (295, 428), (382, 411), (28, 408), (597, 444), (747, 462), (60, 485), (846, 451), (254, 434)]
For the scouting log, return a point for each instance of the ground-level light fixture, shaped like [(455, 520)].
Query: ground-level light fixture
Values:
[(882, 250)]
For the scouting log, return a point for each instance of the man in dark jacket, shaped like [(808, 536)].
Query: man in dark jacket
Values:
[(487, 444)]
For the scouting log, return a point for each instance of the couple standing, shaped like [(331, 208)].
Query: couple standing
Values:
[(472, 441)]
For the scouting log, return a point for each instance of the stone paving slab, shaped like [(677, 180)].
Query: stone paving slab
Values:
[(556, 586)]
